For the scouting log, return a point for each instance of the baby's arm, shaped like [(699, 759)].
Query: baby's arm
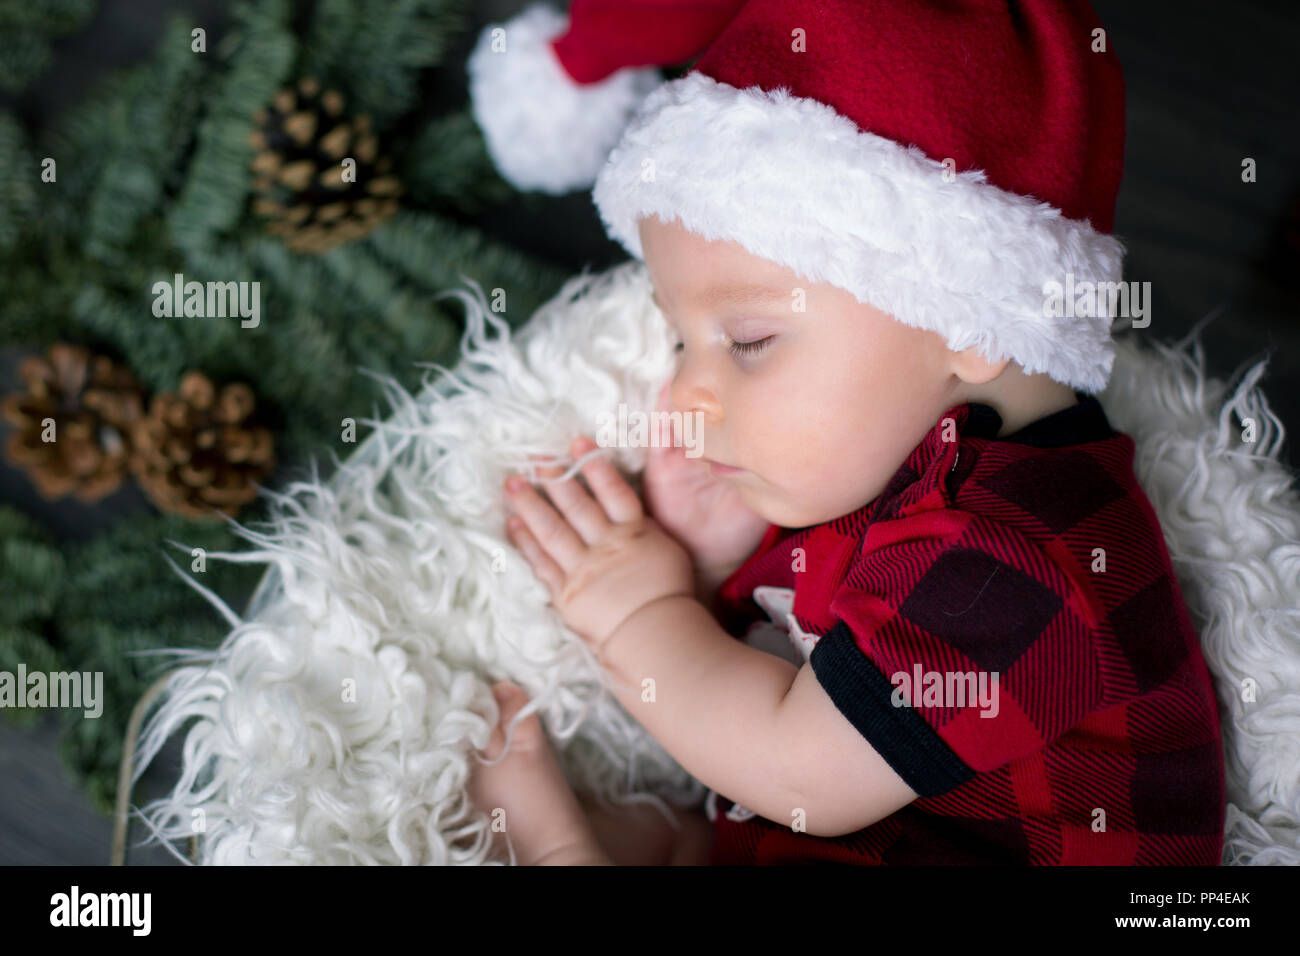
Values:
[(717, 705), (709, 578), (747, 723)]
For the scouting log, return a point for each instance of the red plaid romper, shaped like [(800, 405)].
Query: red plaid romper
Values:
[(1035, 557)]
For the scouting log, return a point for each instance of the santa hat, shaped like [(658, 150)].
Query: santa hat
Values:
[(945, 161)]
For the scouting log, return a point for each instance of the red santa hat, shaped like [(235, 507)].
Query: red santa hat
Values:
[(942, 160)]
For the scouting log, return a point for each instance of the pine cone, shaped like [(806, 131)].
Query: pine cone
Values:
[(196, 449), (301, 141), (91, 404)]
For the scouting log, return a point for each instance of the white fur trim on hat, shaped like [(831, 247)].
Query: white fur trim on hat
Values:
[(795, 182), (543, 130)]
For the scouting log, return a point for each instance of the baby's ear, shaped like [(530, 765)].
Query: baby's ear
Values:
[(973, 368)]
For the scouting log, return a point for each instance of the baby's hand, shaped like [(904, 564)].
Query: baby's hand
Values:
[(603, 559), (706, 514)]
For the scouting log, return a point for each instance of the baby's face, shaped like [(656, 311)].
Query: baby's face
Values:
[(819, 407)]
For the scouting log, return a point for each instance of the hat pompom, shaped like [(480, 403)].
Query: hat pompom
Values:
[(544, 130)]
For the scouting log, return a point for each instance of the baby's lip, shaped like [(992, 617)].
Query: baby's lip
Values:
[(721, 467)]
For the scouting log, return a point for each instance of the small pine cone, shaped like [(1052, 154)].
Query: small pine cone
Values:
[(73, 422), (197, 450), (301, 140)]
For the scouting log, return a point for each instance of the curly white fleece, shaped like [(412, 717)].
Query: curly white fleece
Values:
[(396, 575), (384, 576)]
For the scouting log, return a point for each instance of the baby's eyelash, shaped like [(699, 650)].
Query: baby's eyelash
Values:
[(749, 348), (738, 348)]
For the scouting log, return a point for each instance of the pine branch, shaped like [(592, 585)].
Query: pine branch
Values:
[(152, 122), (122, 597), (260, 56), (447, 166), (80, 142), (31, 568), (375, 52), (26, 30), (18, 187), (435, 252)]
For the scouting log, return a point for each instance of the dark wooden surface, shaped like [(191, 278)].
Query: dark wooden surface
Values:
[(1208, 84)]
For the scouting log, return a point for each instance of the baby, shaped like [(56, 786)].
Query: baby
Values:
[(796, 430), (982, 652)]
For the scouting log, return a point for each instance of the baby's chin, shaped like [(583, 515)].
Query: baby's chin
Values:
[(798, 508), (779, 507)]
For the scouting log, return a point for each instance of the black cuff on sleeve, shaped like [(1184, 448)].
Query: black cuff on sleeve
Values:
[(899, 734)]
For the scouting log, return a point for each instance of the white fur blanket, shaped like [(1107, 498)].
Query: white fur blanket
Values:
[(337, 722)]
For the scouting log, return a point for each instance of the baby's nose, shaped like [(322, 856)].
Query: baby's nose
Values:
[(682, 395)]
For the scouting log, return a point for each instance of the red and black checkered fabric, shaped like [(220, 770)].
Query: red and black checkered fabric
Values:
[(1035, 557)]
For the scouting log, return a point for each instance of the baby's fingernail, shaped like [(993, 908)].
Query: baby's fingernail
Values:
[(514, 483)]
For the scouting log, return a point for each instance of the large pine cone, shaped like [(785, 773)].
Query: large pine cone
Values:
[(301, 142), (91, 404), (197, 450)]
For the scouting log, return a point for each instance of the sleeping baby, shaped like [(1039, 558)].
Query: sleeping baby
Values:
[(911, 606)]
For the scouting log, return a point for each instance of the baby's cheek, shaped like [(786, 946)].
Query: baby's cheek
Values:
[(850, 474), (808, 482)]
